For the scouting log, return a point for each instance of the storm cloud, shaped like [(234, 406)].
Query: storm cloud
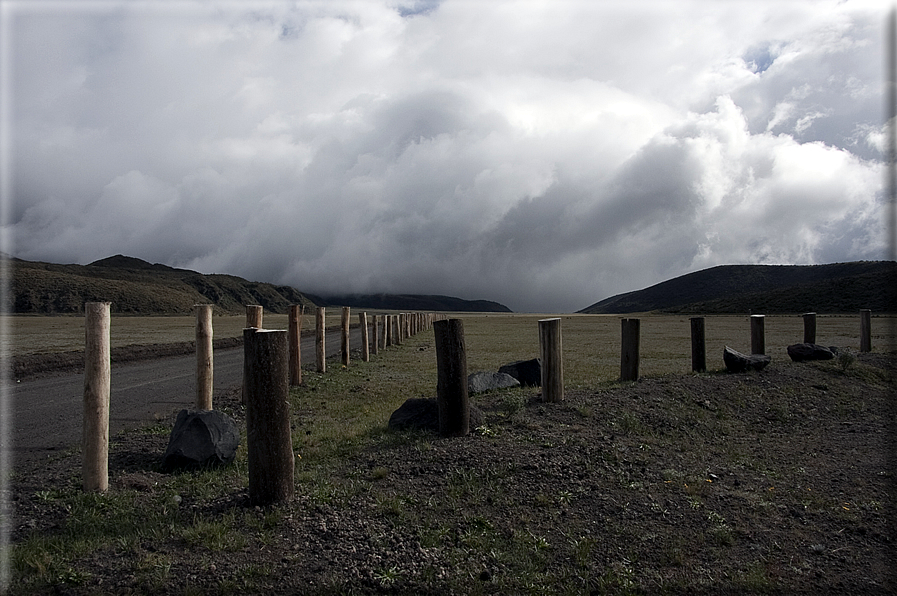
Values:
[(543, 155)]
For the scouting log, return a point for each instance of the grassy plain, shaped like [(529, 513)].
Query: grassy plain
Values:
[(542, 500)]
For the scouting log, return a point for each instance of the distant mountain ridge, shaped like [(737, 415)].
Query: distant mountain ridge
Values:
[(134, 286), (833, 288), (416, 302)]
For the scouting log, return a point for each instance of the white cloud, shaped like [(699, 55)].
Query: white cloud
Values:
[(543, 155)]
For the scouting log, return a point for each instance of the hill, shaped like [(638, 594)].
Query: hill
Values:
[(416, 302), (834, 288), (134, 286)]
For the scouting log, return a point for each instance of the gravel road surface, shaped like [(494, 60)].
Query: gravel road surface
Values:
[(47, 413)]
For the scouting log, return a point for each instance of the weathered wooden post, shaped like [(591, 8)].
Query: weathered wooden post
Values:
[(344, 337), (865, 330), (295, 339), (550, 348), (451, 379), (375, 324), (629, 354), (268, 441), (254, 315), (809, 327), (758, 334), (97, 386), (397, 329), (698, 346), (365, 347), (320, 338), (204, 357)]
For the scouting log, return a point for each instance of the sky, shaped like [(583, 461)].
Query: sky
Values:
[(545, 155)]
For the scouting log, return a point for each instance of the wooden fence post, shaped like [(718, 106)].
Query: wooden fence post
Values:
[(254, 315), (698, 345), (550, 348), (758, 334), (204, 357), (375, 324), (451, 379), (268, 441), (320, 338), (365, 347), (629, 354), (809, 327), (865, 330), (295, 339), (97, 385), (344, 336)]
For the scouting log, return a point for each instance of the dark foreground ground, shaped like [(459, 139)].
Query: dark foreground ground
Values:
[(773, 482)]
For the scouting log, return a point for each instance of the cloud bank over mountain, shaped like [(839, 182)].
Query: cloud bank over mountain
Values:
[(540, 155)]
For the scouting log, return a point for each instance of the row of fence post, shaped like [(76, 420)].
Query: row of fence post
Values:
[(262, 346)]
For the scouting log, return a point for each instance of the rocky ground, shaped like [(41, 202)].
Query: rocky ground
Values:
[(780, 481)]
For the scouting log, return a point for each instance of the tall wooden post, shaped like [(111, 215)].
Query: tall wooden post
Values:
[(809, 327), (268, 441), (758, 334), (550, 348), (320, 339), (344, 336), (97, 386), (295, 339), (451, 379), (204, 357), (375, 325), (865, 330), (365, 346), (254, 315), (629, 350), (698, 346)]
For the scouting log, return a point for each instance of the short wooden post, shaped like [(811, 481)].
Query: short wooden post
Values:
[(698, 345), (344, 336), (451, 379), (365, 347), (629, 347), (396, 329), (809, 327), (758, 334), (97, 386), (865, 330), (295, 339), (320, 339), (550, 348), (254, 315), (268, 441), (204, 357), (375, 325)]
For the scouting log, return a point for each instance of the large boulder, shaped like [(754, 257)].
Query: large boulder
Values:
[(423, 413), (802, 352), (737, 362), (528, 372), (201, 439), (480, 382)]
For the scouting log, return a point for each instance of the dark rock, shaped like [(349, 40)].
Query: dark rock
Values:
[(479, 382), (737, 362), (801, 352), (423, 413), (528, 372), (201, 439)]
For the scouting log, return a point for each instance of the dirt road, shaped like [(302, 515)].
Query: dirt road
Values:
[(47, 414)]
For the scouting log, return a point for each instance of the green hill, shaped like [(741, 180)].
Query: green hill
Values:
[(134, 286), (834, 288)]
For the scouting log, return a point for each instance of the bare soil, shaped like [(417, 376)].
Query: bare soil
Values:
[(780, 481)]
